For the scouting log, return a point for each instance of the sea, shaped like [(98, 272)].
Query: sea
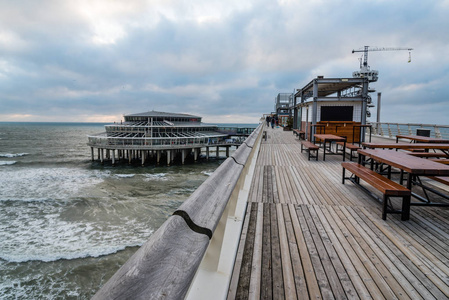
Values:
[(67, 223)]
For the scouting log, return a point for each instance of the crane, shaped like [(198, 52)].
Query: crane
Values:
[(365, 69)]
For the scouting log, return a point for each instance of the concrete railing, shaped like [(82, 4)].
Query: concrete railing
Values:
[(165, 266)]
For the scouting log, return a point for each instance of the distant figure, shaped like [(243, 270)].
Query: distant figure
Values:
[(272, 122), (268, 120)]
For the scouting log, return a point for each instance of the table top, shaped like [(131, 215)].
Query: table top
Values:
[(419, 138), (330, 137), (408, 163), (407, 146)]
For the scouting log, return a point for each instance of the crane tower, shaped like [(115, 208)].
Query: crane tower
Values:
[(365, 71)]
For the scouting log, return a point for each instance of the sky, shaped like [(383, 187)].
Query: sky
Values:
[(94, 61)]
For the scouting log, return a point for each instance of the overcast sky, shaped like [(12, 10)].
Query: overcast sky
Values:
[(94, 61)]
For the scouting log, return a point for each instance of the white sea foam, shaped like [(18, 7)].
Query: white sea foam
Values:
[(10, 155), (46, 183), (125, 175), (52, 237), (7, 163), (157, 176), (208, 173)]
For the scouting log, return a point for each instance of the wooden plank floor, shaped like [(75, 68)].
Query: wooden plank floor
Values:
[(308, 236)]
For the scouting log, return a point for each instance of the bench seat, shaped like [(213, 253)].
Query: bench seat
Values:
[(441, 179), (427, 154), (310, 147), (349, 146), (299, 133), (441, 161), (387, 187)]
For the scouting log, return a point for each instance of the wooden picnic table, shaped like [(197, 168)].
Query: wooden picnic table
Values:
[(329, 138), (414, 166), (420, 139)]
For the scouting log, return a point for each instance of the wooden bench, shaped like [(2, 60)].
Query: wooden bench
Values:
[(441, 179), (387, 187), (427, 154), (441, 161), (310, 147), (349, 146), (299, 133)]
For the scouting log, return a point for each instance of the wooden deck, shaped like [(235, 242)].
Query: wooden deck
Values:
[(306, 235)]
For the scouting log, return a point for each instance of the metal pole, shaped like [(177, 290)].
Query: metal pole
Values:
[(378, 112)]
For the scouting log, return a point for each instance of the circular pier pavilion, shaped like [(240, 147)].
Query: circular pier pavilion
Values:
[(156, 135)]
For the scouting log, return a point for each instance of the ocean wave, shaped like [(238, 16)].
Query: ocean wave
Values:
[(45, 233), (6, 163), (10, 155), (30, 184), (95, 252), (157, 176), (125, 175)]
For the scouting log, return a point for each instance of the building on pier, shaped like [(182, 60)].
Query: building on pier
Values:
[(332, 106), (156, 134)]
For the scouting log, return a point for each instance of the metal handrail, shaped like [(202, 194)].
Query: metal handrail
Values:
[(386, 129)]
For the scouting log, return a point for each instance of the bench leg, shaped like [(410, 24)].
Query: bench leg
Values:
[(343, 179), (384, 207), (405, 208)]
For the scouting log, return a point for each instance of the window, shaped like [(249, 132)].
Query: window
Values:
[(336, 113)]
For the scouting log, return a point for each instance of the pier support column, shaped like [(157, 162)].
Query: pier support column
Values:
[(143, 159), (158, 155), (98, 150), (108, 154), (227, 151), (195, 154), (183, 155), (207, 153), (102, 156), (92, 153), (217, 152), (130, 156), (113, 157), (168, 157)]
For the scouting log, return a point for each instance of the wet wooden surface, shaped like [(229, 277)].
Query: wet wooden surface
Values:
[(306, 235)]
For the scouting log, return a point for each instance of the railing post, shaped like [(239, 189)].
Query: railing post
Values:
[(437, 132)]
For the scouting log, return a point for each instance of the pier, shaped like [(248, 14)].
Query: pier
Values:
[(287, 228), (160, 135)]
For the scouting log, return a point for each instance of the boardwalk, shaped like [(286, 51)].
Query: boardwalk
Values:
[(306, 235)]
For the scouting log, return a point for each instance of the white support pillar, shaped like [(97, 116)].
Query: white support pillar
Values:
[(130, 156), (92, 153), (158, 154), (113, 157), (168, 157), (102, 155), (207, 153), (143, 158), (183, 155), (195, 154)]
